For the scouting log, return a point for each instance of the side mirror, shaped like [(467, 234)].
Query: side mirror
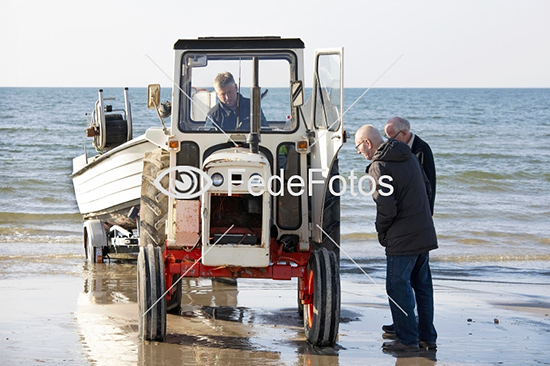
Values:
[(297, 93), (153, 96)]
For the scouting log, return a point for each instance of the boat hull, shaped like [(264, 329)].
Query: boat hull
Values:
[(107, 186)]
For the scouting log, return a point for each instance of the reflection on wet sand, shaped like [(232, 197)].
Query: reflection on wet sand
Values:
[(108, 284), (204, 292), (211, 329), (256, 323)]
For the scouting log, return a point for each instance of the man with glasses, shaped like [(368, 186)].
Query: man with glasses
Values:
[(400, 129), (405, 228)]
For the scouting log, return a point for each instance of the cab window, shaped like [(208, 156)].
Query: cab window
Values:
[(203, 109)]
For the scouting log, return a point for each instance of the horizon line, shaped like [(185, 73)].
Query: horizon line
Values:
[(346, 87)]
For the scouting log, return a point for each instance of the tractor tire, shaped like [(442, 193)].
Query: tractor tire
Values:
[(151, 287), (331, 215), (154, 204), (322, 315), (331, 226)]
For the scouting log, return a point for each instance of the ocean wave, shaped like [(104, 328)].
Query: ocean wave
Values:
[(484, 175), (495, 237), (41, 239), (494, 181), (358, 236), (5, 190), (17, 129), (459, 258), (477, 155), (40, 257), (24, 216)]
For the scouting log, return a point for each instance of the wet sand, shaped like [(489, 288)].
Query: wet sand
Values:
[(87, 315)]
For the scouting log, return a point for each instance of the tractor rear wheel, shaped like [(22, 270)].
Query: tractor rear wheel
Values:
[(153, 209)]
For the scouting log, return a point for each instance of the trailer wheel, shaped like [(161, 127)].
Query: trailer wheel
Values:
[(154, 204), (94, 254), (151, 287), (95, 239), (322, 314)]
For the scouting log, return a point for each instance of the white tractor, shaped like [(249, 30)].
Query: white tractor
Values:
[(252, 200)]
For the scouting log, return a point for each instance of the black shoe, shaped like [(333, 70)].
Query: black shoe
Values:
[(427, 345), (389, 329), (396, 346)]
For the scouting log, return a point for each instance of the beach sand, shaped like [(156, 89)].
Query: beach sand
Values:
[(87, 315)]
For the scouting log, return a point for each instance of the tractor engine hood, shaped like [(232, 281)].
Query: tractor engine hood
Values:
[(235, 170)]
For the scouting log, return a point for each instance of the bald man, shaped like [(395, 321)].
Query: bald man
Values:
[(405, 228)]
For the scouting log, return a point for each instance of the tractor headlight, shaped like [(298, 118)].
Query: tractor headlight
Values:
[(256, 179), (217, 179)]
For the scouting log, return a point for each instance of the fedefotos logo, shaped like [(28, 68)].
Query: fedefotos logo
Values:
[(190, 182), (186, 183)]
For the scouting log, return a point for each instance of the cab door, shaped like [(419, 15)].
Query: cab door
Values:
[(327, 124)]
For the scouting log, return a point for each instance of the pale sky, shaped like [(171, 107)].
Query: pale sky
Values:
[(444, 43)]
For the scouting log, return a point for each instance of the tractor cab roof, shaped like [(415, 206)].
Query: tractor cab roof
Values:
[(235, 43)]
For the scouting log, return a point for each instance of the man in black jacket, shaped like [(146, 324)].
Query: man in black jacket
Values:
[(400, 129), (405, 228), (232, 112)]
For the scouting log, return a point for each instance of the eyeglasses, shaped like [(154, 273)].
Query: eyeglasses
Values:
[(397, 134), (357, 146)]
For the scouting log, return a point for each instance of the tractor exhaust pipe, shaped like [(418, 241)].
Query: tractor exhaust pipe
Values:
[(255, 110)]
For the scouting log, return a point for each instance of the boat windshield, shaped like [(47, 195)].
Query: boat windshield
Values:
[(211, 102)]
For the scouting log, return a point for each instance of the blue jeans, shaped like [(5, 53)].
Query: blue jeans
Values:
[(409, 282)]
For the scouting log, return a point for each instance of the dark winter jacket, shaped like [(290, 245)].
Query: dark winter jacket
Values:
[(227, 118), (422, 150), (403, 219)]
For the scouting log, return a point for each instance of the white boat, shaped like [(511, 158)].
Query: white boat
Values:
[(108, 185)]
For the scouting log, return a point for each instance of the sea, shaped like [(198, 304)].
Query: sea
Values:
[(491, 149)]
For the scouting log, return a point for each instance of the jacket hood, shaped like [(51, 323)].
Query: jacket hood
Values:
[(392, 150)]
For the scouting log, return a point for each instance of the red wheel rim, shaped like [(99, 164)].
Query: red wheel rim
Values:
[(309, 307)]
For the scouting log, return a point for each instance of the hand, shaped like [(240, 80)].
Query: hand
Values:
[(382, 239)]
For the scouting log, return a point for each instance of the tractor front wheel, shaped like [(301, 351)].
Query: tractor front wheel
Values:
[(322, 292), (151, 287)]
